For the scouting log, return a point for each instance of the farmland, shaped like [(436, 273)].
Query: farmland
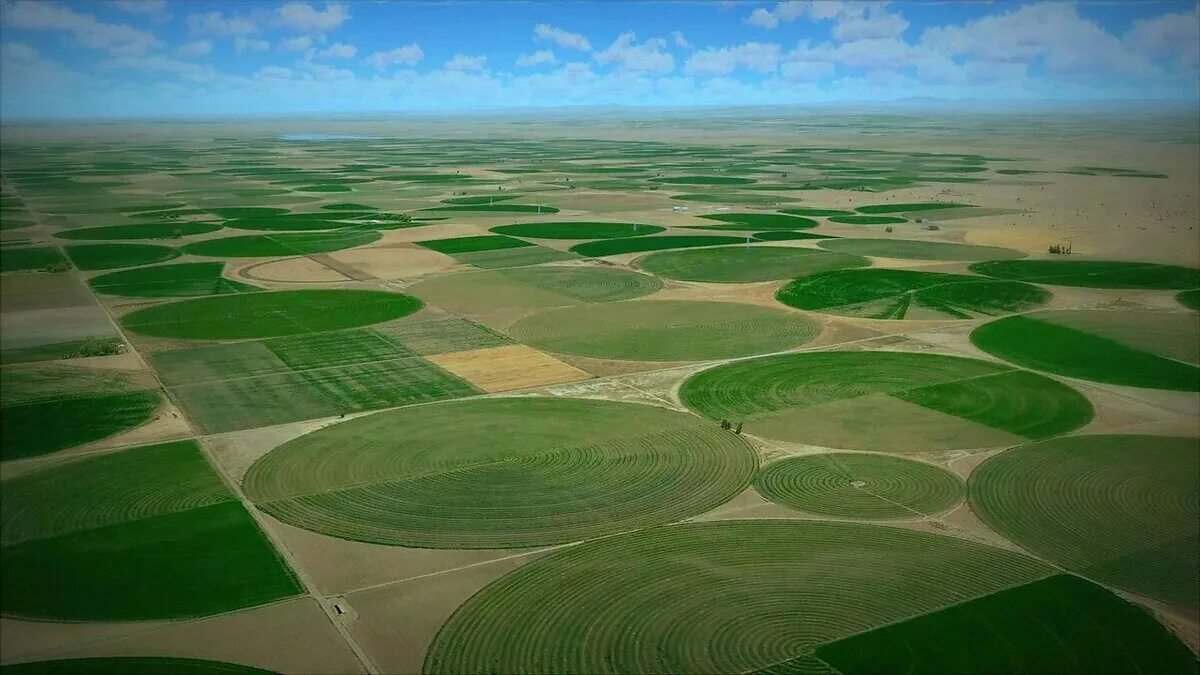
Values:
[(591, 398)]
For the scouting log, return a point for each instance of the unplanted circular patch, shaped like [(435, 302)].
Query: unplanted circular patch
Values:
[(501, 473), (860, 485)]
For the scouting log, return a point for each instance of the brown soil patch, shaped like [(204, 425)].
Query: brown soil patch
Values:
[(292, 270), (394, 263), (606, 367), (508, 368), (438, 229)]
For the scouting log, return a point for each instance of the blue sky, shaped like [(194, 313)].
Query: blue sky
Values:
[(123, 58)]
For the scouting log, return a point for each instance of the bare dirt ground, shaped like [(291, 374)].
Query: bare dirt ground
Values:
[(395, 263), (292, 270), (507, 368)]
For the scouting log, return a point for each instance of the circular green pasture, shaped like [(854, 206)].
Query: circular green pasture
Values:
[(908, 294), (1156, 350), (886, 401), (743, 198), (918, 250), (131, 665), (269, 314), (1189, 299), (232, 212), (284, 244), (500, 473), (860, 485), (329, 220), (1118, 509), (156, 231), (41, 427), (714, 597), (665, 330), (527, 288), (111, 256), (1093, 273), (786, 235), (814, 211), (867, 220), (577, 230), (702, 180), (182, 279), (739, 264)]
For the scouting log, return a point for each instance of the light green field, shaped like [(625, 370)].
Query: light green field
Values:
[(729, 264), (518, 290), (918, 250), (1118, 509), (720, 597), (578, 230), (469, 475), (665, 330)]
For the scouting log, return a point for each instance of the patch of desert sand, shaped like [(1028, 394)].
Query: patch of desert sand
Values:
[(395, 263), (286, 637), (234, 452), (397, 623), (292, 270), (507, 368)]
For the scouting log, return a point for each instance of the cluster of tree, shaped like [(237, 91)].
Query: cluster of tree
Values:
[(1060, 249), (726, 424)]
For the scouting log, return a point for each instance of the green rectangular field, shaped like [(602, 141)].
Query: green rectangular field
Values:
[(335, 348), (441, 335), (216, 362)]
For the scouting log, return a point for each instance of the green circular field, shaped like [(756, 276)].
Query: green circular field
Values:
[(860, 485), (1093, 273), (714, 597), (813, 211), (156, 231), (1118, 509), (665, 330), (527, 288), (269, 314), (182, 279), (739, 264), (248, 211), (285, 244), (1157, 350), (1189, 299), (868, 220), (577, 230), (888, 401), (918, 250), (42, 427), (111, 256), (500, 473), (908, 294), (131, 665), (702, 180)]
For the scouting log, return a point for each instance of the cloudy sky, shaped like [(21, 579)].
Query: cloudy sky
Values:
[(155, 57)]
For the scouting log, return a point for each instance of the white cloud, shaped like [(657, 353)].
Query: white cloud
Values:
[(338, 50), (85, 28), (296, 44), (853, 20), (274, 72), (407, 55), (155, 9), (538, 58), (805, 71), (1175, 35), (628, 56), (680, 40), (305, 18), (562, 38), (760, 57), (18, 51), (464, 62), (217, 24), (763, 19), (194, 49), (241, 44), (160, 64)]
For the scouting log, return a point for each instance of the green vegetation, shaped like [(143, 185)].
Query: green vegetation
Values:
[(110, 256), (1189, 299), (183, 279), (514, 257), (860, 485), (268, 314), (130, 665), (702, 180), (156, 231), (285, 244), (813, 211), (155, 512), (1108, 171), (900, 294), (578, 230), (714, 597), (764, 221), (441, 335), (234, 212), (664, 330), (480, 199), (919, 250), (37, 258), (39, 427), (909, 207), (1103, 349), (348, 206), (784, 235), (1118, 509), (495, 208), (740, 198), (599, 249), (1061, 624), (93, 346), (487, 242), (916, 401), (470, 475), (519, 290), (745, 263), (1093, 273), (867, 220)]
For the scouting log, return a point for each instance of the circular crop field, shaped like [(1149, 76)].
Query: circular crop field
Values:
[(860, 485), (889, 401), (907, 294), (1155, 350), (577, 230), (90, 257), (182, 279), (269, 314), (715, 597), (156, 231), (527, 288), (248, 211), (285, 244), (702, 180), (745, 264), (131, 665), (867, 220), (1118, 509), (1189, 299), (814, 211), (500, 473), (918, 250), (665, 330), (1092, 273)]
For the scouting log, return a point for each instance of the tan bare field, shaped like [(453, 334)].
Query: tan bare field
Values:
[(507, 368), (292, 270)]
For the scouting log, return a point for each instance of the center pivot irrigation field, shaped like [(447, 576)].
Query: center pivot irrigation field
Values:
[(915, 402), (501, 473)]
